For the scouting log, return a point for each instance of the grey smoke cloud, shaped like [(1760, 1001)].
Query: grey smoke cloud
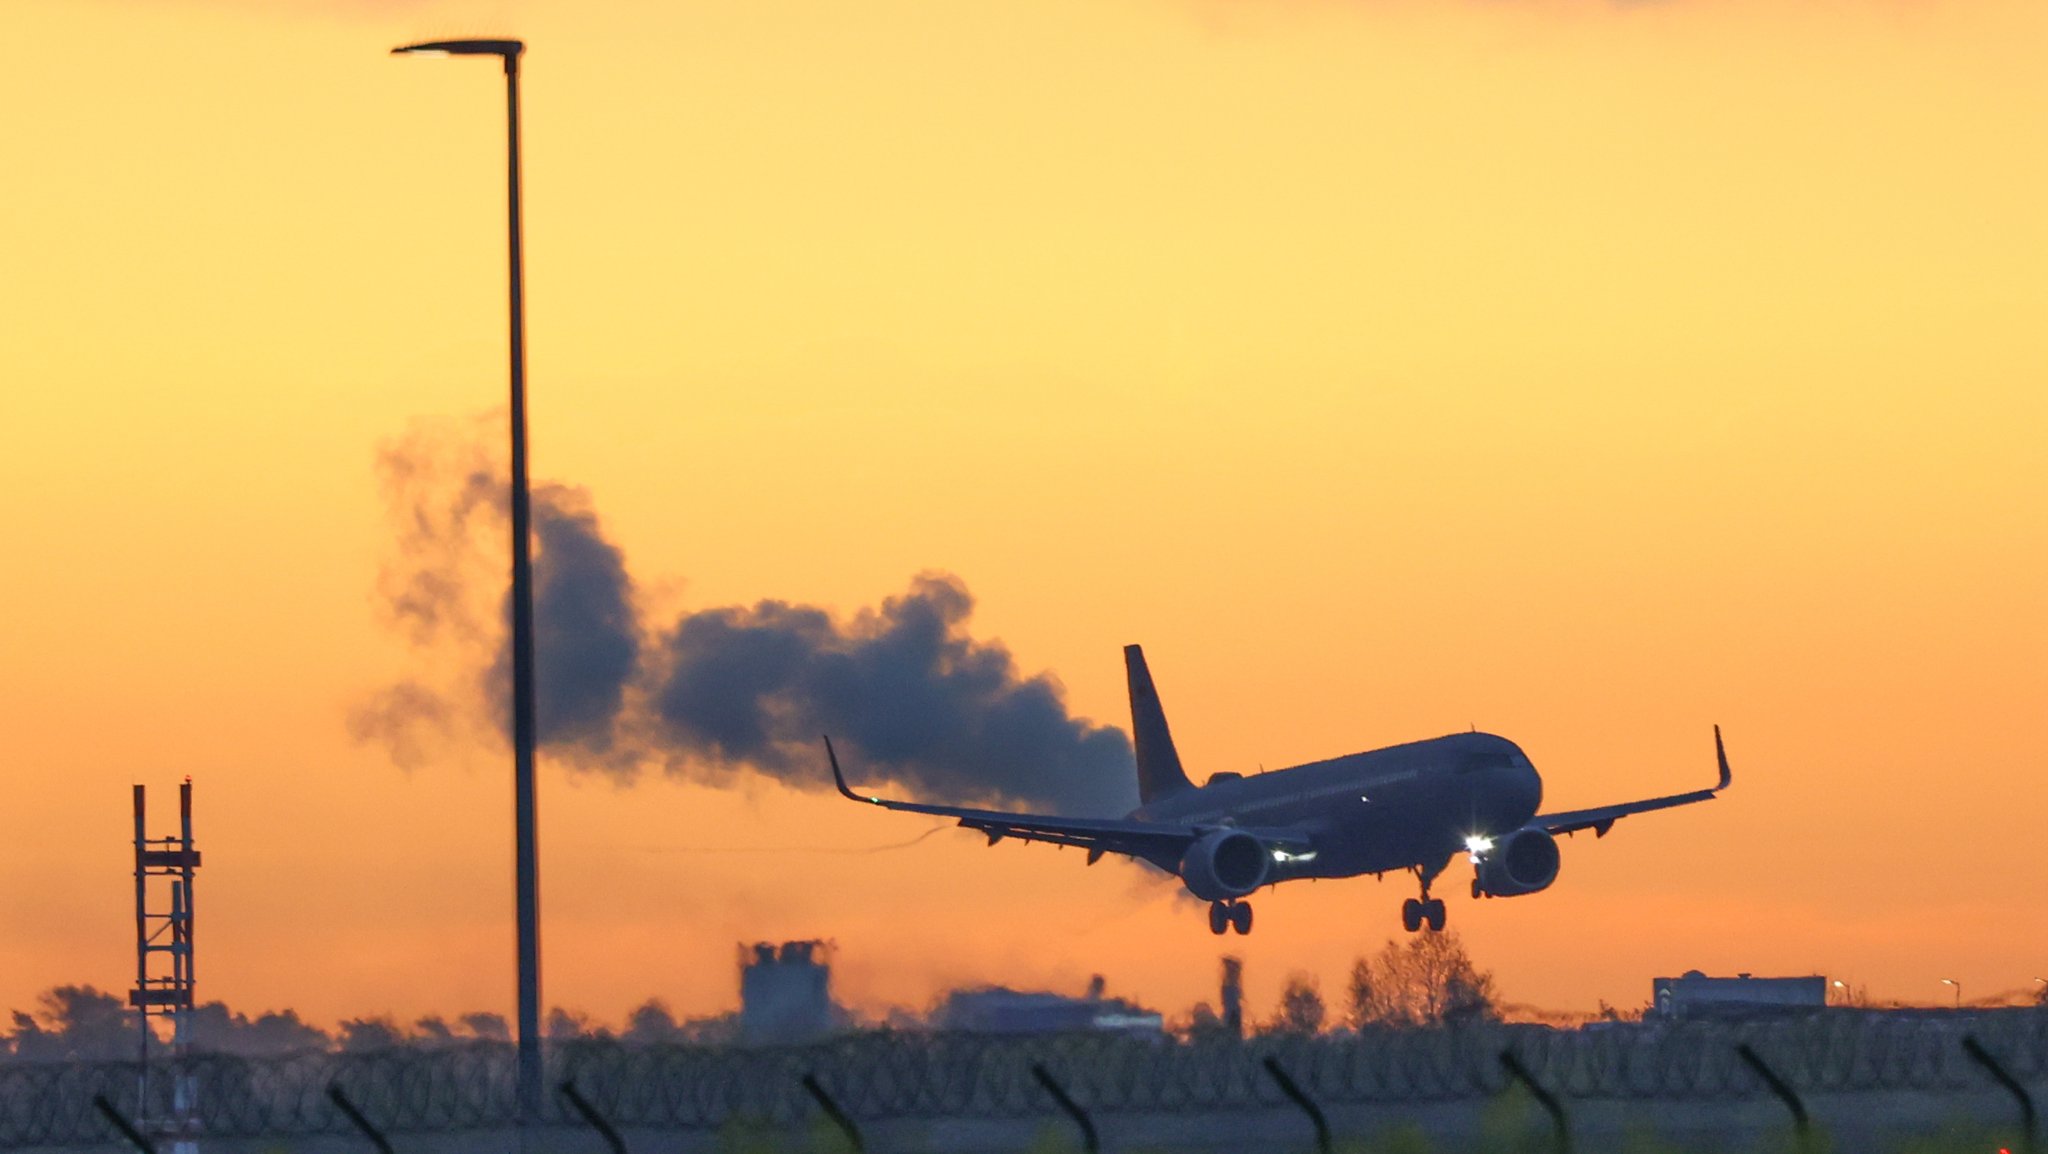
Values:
[(446, 498), (904, 685), (441, 489), (407, 718), (912, 696), (586, 633)]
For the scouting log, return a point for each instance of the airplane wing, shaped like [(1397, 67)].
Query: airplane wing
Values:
[(1161, 843), (1600, 819)]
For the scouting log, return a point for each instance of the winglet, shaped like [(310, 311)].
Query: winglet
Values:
[(839, 778), (1721, 755)]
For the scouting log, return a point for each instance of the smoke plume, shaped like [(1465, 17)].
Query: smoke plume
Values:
[(586, 634), (915, 696), (907, 692)]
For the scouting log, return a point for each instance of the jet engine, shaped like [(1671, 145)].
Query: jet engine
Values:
[(1521, 863), (1225, 864)]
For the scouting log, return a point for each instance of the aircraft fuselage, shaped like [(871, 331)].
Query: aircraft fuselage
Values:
[(1384, 809)]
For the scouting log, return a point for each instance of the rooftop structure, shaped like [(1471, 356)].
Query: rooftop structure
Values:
[(786, 991)]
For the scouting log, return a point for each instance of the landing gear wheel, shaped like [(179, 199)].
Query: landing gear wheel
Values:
[(1433, 913), (1411, 915), (1241, 918), (1219, 917), (1477, 890)]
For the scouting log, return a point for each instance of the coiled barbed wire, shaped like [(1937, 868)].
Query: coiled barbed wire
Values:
[(881, 1075)]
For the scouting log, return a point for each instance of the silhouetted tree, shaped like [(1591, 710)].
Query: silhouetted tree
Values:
[(487, 1027), (282, 1032), (1425, 981), (1364, 1006), (359, 1035), (75, 1023), (1607, 1013), (1206, 1025), (568, 1025), (432, 1030), (652, 1024), (719, 1030), (215, 1028), (1301, 1007)]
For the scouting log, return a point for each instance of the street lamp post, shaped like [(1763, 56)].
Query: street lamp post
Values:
[(525, 856), (1959, 990)]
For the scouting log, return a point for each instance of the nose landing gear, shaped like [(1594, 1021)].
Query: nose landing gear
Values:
[(1232, 915)]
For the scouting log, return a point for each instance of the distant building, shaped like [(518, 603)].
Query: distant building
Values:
[(995, 1010), (786, 992), (1695, 995)]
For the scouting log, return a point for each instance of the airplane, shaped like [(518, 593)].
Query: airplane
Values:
[(1409, 807)]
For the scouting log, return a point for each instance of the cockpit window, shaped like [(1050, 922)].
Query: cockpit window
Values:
[(1493, 759)]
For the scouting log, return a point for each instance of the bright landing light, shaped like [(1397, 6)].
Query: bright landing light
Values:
[(1477, 846)]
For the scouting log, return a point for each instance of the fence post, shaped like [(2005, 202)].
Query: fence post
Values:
[(597, 1121), (135, 1137), (1561, 1131), (1301, 1099), (1991, 1066), (833, 1112), (355, 1117), (1801, 1124), (1089, 1141)]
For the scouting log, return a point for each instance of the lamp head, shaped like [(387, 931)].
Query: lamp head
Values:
[(503, 48)]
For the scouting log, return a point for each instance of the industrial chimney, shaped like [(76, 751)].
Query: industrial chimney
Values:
[(1233, 996)]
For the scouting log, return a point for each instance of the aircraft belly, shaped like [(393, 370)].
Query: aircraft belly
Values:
[(1371, 837), (1395, 829)]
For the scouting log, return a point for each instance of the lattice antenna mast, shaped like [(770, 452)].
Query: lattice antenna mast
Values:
[(164, 972)]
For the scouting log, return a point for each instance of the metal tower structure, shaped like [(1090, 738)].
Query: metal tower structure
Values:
[(164, 975)]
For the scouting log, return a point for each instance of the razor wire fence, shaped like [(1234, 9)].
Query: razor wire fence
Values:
[(882, 1075)]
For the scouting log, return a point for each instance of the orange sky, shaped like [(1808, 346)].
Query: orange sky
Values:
[(1586, 372)]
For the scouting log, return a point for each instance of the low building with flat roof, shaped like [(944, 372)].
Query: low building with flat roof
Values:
[(995, 1010), (1695, 995)]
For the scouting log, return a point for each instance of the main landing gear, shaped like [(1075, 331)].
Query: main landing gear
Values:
[(1226, 916), (1429, 911)]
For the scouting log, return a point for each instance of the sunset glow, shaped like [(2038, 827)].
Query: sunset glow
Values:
[(1587, 373)]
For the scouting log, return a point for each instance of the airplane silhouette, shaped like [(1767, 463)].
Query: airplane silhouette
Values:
[(1409, 807)]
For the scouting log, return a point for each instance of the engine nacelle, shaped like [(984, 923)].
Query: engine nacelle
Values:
[(1225, 864), (1521, 863)]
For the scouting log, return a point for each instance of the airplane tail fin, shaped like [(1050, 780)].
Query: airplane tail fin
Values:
[(1159, 771)]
